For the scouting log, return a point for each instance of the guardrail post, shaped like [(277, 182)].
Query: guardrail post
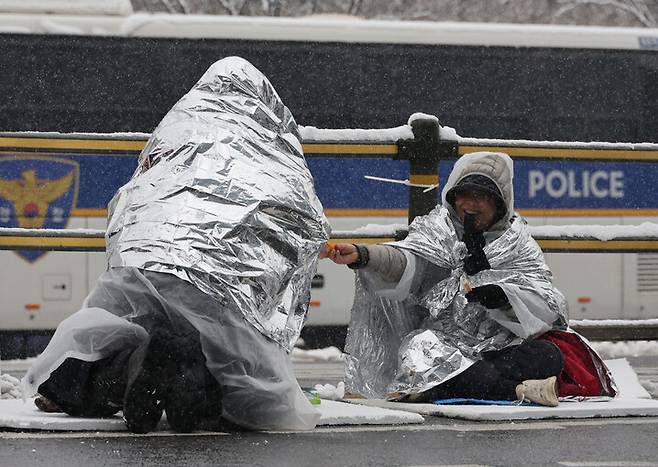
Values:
[(424, 153)]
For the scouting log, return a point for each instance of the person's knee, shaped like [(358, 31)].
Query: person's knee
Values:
[(536, 359), (551, 356)]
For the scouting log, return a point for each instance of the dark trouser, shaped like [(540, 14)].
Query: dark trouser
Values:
[(496, 376), (96, 389), (88, 389)]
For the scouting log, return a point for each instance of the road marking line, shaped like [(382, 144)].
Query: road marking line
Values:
[(449, 465), (102, 434), (498, 426), (608, 464), (508, 426)]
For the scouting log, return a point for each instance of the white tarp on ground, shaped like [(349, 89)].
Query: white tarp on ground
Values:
[(633, 401), (15, 414), (614, 408)]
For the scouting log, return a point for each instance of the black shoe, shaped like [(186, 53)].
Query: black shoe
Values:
[(194, 411), (196, 402), (149, 366)]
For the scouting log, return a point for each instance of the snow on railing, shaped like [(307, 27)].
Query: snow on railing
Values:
[(643, 231), (65, 233), (604, 233), (525, 143), (616, 329)]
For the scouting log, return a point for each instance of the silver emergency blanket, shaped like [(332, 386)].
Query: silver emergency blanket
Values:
[(224, 200), (395, 348)]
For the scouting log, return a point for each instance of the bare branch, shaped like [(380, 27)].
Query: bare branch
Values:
[(355, 7), (638, 8), (185, 6), (171, 8)]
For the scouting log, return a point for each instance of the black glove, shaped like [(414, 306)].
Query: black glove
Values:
[(476, 260), (490, 296)]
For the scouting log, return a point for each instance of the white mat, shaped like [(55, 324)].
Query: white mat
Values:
[(341, 413), (633, 400), (612, 408), (18, 415)]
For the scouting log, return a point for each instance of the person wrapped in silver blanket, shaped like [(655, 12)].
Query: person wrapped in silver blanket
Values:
[(211, 248), (465, 306)]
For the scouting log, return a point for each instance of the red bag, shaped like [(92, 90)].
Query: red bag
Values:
[(579, 376)]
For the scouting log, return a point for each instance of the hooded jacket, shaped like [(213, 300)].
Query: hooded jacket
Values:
[(410, 336)]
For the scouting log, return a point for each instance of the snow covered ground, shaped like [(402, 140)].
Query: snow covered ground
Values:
[(10, 369), (625, 349), (648, 376), (328, 354)]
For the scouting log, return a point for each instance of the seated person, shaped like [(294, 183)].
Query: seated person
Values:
[(211, 249), (464, 307)]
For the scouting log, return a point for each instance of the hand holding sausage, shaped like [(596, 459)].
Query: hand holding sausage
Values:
[(340, 253)]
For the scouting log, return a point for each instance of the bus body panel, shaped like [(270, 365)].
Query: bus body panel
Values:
[(538, 89)]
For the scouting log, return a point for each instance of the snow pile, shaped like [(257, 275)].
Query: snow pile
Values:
[(376, 230), (311, 134), (10, 387), (625, 348), (79, 232), (445, 132), (18, 364), (528, 143), (117, 135), (68, 7), (331, 392), (600, 232), (650, 386), (609, 350), (328, 354), (602, 323)]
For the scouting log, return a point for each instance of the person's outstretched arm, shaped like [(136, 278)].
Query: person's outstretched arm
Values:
[(387, 261)]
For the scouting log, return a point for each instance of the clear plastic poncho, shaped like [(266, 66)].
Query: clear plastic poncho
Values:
[(400, 347), (219, 228)]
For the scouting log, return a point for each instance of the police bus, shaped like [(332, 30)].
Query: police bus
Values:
[(91, 74)]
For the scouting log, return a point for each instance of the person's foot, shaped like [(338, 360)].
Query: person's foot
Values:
[(149, 368), (539, 391), (197, 400), (195, 410)]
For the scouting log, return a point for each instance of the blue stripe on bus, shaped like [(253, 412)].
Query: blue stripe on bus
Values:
[(340, 183)]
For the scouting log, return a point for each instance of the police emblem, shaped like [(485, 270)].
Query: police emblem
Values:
[(37, 193)]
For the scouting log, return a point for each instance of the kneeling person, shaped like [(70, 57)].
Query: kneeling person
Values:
[(211, 249)]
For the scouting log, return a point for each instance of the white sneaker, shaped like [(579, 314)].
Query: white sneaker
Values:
[(539, 391)]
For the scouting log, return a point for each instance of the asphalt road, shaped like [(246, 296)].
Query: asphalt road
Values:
[(628, 442), (437, 442)]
